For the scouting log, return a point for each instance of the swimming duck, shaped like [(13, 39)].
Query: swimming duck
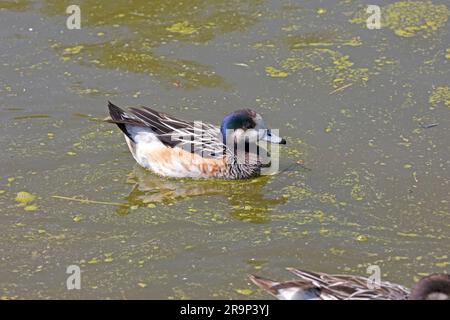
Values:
[(322, 286), (173, 147)]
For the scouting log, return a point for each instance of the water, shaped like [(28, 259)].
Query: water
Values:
[(365, 174)]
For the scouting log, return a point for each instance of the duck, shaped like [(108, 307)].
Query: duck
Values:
[(322, 286), (172, 147)]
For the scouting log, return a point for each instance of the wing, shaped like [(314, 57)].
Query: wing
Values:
[(288, 290), (345, 287), (196, 137)]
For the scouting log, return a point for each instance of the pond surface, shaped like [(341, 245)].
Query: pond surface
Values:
[(364, 177)]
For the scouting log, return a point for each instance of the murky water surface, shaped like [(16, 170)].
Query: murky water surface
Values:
[(365, 175)]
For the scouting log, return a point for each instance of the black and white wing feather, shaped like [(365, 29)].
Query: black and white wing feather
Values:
[(345, 287), (195, 137)]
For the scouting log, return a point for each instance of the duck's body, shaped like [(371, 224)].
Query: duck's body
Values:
[(176, 148), (322, 286)]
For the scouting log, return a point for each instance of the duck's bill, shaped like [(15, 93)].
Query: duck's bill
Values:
[(273, 138)]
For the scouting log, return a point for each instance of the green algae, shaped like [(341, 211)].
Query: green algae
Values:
[(31, 207), (15, 5), (354, 180), (154, 24), (275, 73), (410, 18), (245, 291), (320, 40), (440, 96), (182, 27), (338, 68), (25, 197), (33, 116)]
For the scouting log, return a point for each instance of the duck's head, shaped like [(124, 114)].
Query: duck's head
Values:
[(434, 287), (246, 124)]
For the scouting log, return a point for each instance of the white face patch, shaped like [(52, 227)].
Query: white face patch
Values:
[(437, 296), (260, 127)]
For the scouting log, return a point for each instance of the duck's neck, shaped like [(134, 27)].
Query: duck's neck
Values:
[(238, 170)]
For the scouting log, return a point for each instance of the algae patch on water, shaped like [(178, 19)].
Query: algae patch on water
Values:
[(136, 58), (440, 96), (275, 73), (152, 25), (24, 197), (338, 68), (410, 18), (15, 5), (182, 27)]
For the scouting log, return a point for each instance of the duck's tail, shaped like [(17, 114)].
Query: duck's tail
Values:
[(122, 118)]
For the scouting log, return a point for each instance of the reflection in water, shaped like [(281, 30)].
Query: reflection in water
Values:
[(246, 197)]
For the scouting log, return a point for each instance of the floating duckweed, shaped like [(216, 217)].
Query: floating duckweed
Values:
[(319, 215), (16, 5), (93, 261), (88, 91), (151, 205), (31, 207), (73, 50), (155, 25), (182, 28), (119, 56), (11, 179), (321, 10), (407, 166), (77, 218), (276, 73), (357, 193), (338, 252), (336, 66), (142, 285), (245, 292), (448, 53), (25, 197), (2, 191), (440, 95), (442, 264), (109, 259), (362, 237), (354, 42), (71, 153), (410, 18)]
